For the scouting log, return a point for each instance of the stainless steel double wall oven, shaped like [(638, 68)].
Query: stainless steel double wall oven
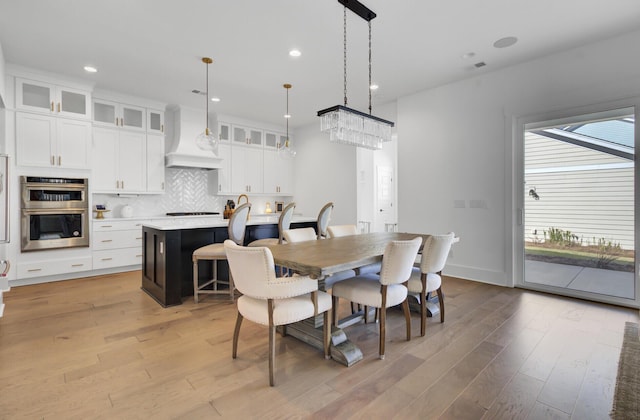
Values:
[(54, 213)]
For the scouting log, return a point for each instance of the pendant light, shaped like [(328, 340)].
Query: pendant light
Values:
[(207, 140), (285, 151), (346, 125)]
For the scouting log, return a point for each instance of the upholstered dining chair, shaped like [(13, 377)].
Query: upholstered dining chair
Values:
[(272, 301), (284, 222), (215, 252), (308, 234), (427, 278), (383, 291), (324, 217), (337, 231)]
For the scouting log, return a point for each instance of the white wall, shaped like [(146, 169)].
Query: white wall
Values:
[(324, 172), (455, 145)]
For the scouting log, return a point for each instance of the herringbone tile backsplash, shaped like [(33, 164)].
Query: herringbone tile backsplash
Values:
[(185, 190)]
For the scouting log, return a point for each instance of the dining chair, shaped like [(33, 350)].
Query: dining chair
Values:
[(383, 291), (284, 223), (216, 252), (309, 234), (324, 217), (272, 301), (427, 278), (337, 231)]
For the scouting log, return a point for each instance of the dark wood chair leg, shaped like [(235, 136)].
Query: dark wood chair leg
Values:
[(383, 318), (334, 309), (423, 313), (441, 299), (236, 333), (272, 353), (326, 330), (407, 317)]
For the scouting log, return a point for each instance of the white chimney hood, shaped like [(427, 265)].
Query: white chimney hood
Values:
[(187, 124)]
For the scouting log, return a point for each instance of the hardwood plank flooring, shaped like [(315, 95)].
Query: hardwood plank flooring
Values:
[(101, 348)]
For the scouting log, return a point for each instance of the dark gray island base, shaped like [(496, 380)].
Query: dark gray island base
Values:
[(167, 268)]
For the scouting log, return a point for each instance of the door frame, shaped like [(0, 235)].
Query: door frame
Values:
[(514, 230)]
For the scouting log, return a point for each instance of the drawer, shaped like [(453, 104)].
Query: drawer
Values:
[(117, 258), (116, 239), (53, 267), (111, 225)]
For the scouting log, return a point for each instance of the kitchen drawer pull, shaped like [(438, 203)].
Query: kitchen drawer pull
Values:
[(51, 106), (34, 269), (139, 238), (106, 226), (106, 259), (139, 256), (77, 265), (59, 107), (107, 240)]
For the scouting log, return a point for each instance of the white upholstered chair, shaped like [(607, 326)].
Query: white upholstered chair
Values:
[(383, 291), (215, 252), (272, 301), (324, 217), (284, 222), (427, 277), (309, 234), (337, 231)]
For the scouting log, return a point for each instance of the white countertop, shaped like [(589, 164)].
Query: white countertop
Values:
[(195, 222)]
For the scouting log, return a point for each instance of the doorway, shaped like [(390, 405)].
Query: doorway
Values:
[(579, 206)]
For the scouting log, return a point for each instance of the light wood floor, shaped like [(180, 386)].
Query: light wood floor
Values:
[(101, 348)]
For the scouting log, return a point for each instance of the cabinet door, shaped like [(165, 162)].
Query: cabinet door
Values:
[(35, 96), (133, 117), (73, 103), (238, 162), (285, 176), (35, 139), (224, 173), (132, 168), (105, 113), (271, 172), (255, 137), (270, 140), (224, 133), (104, 150), (72, 144), (240, 135), (155, 121), (253, 167), (155, 163)]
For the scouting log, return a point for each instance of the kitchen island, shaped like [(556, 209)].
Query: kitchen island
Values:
[(167, 246)]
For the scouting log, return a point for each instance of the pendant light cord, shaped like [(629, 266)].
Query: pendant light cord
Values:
[(206, 122), (345, 54), (369, 68)]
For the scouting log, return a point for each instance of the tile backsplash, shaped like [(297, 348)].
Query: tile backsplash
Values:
[(185, 190)]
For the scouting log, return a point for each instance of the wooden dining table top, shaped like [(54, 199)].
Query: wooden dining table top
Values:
[(321, 258)]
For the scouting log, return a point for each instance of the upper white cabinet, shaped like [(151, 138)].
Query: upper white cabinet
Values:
[(52, 99), (221, 178), (224, 133), (278, 174), (246, 170), (114, 114), (155, 121), (120, 161), (155, 163), (47, 141), (247, 136)]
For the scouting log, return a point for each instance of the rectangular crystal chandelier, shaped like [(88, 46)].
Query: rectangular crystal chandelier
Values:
[(355, 128)]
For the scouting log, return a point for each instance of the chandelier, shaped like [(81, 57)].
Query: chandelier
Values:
[(346, 125), (285, 151), (207, 140)]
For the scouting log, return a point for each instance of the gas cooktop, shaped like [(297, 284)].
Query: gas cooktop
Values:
[(193, 213)]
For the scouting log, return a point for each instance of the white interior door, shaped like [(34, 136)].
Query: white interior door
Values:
[(385, 217)]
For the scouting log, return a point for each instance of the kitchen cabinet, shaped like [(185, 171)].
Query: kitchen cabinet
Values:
[(47, 141), (116, 243), (221, 178), (155, 163), (155, 121), (114, 114), (246, 136), (246, 169), (52, 99), (278, 174), (119, 161), (224, 132), (51, 267)]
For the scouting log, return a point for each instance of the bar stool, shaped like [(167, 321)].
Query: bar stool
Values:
[(284, 223), (324, 217), (215, 252)]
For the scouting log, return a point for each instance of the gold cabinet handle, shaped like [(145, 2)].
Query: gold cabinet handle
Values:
[(53, 160), (77, 265), (107, 240), (106, 259), (59, 160), (52, 106), (121, 122), (116, 121), (34, 269), (162, 128), (59, 107)]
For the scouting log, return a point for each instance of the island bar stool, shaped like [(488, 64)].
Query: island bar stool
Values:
[(284, 223), (215, 252), (324, 217)]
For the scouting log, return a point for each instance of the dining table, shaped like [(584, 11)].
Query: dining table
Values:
[(320, 259)]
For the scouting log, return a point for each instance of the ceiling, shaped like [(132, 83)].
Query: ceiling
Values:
[(153, 48)]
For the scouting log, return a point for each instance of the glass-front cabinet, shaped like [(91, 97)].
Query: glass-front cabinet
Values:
[(155, 121), (52, 99), (114, 114), (248, 136)]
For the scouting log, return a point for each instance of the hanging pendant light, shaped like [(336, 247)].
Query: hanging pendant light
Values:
[(285, 151), (207, 140), (346, 125)]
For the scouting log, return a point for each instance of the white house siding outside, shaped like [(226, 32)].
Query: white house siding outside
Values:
[(584, 191)]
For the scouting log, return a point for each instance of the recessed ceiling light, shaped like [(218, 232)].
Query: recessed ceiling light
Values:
[(505, 42), (90, 69), (215, 99), (374, 87), (295, 53), (468, 55), (287, 115)]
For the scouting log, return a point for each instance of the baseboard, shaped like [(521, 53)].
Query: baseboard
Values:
[(494, 277)]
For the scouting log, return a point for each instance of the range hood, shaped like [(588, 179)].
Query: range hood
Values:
[(187, 124)]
